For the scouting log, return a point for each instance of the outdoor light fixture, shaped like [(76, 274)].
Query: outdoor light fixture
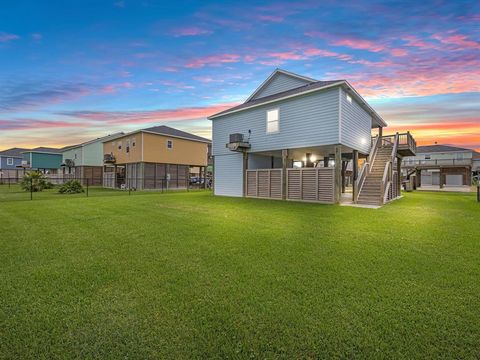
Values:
[(363, 141), (313, 158)]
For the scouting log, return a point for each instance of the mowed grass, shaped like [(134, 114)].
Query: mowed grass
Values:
[(189, 275)]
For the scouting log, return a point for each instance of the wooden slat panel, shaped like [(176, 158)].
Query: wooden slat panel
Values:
[(251, 183), (326, 185), (294, 185), (263, 188), (309, 184), (276, 184)]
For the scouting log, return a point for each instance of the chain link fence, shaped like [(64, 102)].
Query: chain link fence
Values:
[(30, 189)]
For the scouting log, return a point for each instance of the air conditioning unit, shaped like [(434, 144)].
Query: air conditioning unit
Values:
[(238, 143), (236, 138)]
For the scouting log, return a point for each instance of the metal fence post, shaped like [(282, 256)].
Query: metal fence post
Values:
[(87, 187)]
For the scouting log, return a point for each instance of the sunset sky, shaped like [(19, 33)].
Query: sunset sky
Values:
[(71, 71)]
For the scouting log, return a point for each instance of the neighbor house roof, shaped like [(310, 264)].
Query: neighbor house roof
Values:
[(102, 139), (13, 152), (47, 150), (298, 91), (439, 149), (169, 131)]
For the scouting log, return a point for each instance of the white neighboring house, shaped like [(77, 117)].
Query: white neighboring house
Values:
[(442, 166), (84, 161), (293, 138)]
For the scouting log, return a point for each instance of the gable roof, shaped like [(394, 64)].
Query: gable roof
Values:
[(302, 90), (440, 148), (169, 131), (13, 152), (166, 131), (276, 72), (101, 139), (47, 150)]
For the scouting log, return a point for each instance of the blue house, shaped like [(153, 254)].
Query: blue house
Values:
[(294, 137), (44, 159), (11, 159)]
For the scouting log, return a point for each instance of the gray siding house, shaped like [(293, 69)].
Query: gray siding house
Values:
[(442, 166), (293, 138)]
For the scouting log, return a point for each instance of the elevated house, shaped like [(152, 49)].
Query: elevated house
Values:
[(294, 137), (10, 164), (158, 157), (84, 161), (44, 159), (442, 166)]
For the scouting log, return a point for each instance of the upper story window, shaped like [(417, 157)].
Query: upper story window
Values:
[(349, 98), (169, 144), (427, 157), (273, 119), (459, 156), (133, 142), (9, 161), (119, 145)]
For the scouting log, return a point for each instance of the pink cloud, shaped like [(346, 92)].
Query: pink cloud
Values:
[(399, 52), (190, 31), (141, 117), (213, 60), (33, 124), (176, 84), (457, 39), (207, 79), (113, 88), (5, 37), (359, 44)]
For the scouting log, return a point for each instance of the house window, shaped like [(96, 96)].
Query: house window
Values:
[(9, 161), (427, 157), (273, 121), (119, 145), (349, 98), (169, 144), (133, 142), (459, 156)]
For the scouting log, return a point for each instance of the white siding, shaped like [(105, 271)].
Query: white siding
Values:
[(229, 174), (309, 120), (356, 125), (279, 83)]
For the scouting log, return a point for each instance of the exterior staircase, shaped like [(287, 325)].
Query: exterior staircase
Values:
[(372, 192), (379, 180)]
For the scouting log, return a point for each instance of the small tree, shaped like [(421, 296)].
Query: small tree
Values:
[(71, 187), (34, 181)]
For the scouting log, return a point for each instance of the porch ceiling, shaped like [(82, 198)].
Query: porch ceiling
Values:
[(318, 151)]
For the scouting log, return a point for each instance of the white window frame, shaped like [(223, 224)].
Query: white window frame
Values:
[(171, 144), (277, 121), (10, 161)]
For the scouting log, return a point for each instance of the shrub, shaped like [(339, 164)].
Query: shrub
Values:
[(34, 181), (71, 187)]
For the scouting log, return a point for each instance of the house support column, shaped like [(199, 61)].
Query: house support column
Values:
[(245, 168), (325, 161), (399, 176), (380, 132), (355, 173), (338, 173), (284, 173), (344, 171)]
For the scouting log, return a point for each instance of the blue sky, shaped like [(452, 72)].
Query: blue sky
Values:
[(75, 70)]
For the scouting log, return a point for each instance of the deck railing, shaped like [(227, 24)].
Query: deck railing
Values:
[(406, 141), (437, 162)]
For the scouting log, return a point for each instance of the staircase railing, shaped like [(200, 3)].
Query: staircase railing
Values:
[(359, 182), (387, 178), (373, 151)]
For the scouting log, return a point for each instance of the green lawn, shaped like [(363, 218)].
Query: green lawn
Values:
[(189, 275)]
